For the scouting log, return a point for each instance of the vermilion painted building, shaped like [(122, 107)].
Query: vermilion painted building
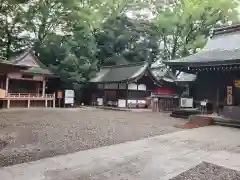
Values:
[(23, 82)]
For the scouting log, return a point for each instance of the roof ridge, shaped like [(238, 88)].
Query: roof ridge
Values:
[(22, 55), (126, 65), (226, 29)]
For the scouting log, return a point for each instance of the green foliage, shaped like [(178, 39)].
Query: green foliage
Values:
[(75, 37), (184, 27), (124, 40), (11, 29)]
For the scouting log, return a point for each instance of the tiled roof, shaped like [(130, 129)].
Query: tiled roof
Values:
[(165, 74), (222, 48), (185, 77), (120, 73), (10, 64), (39, 69)]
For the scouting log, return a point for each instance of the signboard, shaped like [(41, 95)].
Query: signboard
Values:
[(69, 97), (59, 95), (155, 99), (69, 100), (187, 102), (229, 95), (237, 83), (203, 103), (69, 93)]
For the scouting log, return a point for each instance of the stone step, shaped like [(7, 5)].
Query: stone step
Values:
[(179, 116), (231, 123)]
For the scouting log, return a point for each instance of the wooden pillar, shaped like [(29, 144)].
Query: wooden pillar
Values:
[(28, 103), (7, 84), (43, 87), (2, 84), (126, 95), (54, 100), (8, 103), (104, 95), (46, 105), (137, 98), (217, 100), (117, 95)]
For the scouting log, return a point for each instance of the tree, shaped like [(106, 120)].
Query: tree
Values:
[(12, 37), (126, 40), (183, 27), (72, 57)]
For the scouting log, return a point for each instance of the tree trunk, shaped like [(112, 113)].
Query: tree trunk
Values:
[(8, 44)]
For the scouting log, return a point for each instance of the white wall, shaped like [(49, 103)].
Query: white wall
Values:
[(142, 87), (132, 86)]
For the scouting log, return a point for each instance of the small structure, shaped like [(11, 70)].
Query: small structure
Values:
[(167, 97), (23, 84), (217, 67), (125, 86)]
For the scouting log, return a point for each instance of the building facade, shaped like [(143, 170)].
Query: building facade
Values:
[(124, 86), (217, 67), (24, 85)]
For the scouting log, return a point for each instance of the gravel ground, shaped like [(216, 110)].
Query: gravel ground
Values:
[(208, 171), (39, 133)]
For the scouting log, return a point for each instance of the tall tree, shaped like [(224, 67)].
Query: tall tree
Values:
[(184, 26), (12, 37), (126, 40)]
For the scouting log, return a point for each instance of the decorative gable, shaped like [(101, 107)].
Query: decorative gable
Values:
[(29, 60)]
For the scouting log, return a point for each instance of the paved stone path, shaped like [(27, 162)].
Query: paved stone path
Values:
[(161, 157)]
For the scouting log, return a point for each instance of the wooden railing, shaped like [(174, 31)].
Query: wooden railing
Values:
[(30, 95)]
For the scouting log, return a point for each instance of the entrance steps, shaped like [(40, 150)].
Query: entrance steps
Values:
[(227, 122), (185, 113), (205, 120)]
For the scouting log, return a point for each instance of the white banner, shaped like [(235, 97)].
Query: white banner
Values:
[(69, 100), (187, 102), (69, 93), (69, 97)]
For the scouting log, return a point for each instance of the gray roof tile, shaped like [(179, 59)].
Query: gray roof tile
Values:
[(222, 48), (120, 73)]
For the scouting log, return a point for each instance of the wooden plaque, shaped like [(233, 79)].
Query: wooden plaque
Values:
[(229, 99), (59, 95)]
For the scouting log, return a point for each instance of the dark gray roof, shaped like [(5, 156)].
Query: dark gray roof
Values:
[(7, 64), (39, 69), (159, 71), (165, 74), (185, 77), (120, 73), (222, 48)]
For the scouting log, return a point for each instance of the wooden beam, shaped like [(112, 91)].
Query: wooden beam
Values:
[(54, 100), (7, 84), (28, 103), (126, 95), (8, 103), (43, 88)]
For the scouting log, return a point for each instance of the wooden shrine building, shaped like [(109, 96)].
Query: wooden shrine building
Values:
[(174, 86), (126, 86), (23, 82), (217, 67)]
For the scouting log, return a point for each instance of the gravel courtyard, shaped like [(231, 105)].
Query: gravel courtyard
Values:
[(27, 135)]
